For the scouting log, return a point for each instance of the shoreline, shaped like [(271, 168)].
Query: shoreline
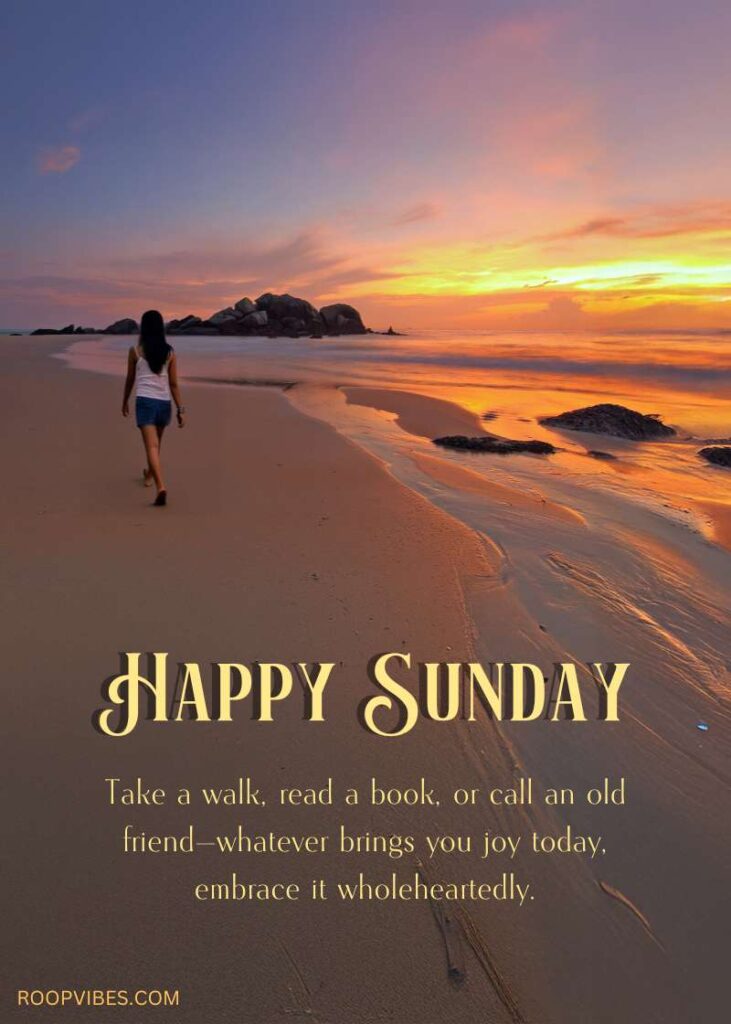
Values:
[(666, 477)]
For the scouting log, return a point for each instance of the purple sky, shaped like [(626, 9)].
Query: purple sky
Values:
[(431, 162)]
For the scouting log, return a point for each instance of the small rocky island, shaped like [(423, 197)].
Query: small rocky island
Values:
[(614, 420), (273, 316)]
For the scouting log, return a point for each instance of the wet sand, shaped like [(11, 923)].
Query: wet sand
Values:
[(419, 414), (285, 540)]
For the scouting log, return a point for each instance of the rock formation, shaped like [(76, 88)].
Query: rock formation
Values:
[(289, 316), (342, 319), (223, 316), (257, 318), (615, 420), (192, 325), (125, 326), (270, 315), (494, 445), (70, 329), (275, 316), (719, 455)]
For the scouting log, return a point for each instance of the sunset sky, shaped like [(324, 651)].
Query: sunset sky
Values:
[(464, 164)]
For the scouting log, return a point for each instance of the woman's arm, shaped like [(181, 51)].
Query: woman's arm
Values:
[(175, 389), (130, 381)]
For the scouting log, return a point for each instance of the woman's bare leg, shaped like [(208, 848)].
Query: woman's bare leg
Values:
[(147, 476), (151, 440)]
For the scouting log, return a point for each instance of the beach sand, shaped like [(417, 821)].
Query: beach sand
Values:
[(418, 414), (286, 541)]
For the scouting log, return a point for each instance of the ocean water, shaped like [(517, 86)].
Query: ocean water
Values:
[(685, 377), (516, 378)]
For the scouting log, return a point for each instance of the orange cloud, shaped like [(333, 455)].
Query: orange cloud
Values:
[(597, 269), (704, 218), (58, 159)]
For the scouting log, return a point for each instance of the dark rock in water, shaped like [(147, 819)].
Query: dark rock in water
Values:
[(283, 316), (717, 454), (494, 445), (124, 326), (275, 328), (256, 321), (596, 454), (69, 329), (241, 319), (293, 325), (345, 325), (229, 326), (288, 307), (341, 318), (615, 420), (223, 316), (188, 325), (389, 333), (193, 326)]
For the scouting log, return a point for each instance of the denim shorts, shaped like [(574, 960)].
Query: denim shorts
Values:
[(153, 412)]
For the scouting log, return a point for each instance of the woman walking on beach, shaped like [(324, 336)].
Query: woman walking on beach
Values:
[(152, 364)]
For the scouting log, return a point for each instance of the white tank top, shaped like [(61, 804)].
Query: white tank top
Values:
[(149, 384)]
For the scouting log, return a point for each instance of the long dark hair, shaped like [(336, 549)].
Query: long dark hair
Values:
[(154, 346)]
